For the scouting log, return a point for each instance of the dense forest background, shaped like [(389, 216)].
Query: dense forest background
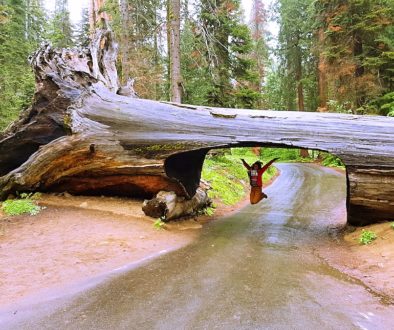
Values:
[(335, 56)]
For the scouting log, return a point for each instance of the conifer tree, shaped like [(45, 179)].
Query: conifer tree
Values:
[(258, 23), (138, 26), (296, 60), (228, 48), (21, 26), (82, 32), (61, 30), (357, 42)]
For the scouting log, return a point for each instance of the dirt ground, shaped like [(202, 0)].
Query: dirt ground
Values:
[(372, 264), (77, 238)]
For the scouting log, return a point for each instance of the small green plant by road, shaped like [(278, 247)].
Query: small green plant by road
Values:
[(25, 205), (392, 225), (159, 224), (367, 237)]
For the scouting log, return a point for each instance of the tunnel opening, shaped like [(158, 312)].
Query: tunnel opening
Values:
[(222, 169)]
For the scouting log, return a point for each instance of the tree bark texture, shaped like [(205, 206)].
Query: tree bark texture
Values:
[(80, 136), (174, 49), (96, 16), (322, 75)]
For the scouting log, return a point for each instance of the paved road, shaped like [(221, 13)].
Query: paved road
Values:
[(253, 270)]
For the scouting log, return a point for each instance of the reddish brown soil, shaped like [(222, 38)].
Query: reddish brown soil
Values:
[(373, 264), (77, 238)]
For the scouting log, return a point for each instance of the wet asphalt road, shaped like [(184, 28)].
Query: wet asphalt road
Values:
[(256, 269)]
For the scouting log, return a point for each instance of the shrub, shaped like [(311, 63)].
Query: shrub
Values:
[(25, 205), (333, 161), (159, 224), (367, 237)]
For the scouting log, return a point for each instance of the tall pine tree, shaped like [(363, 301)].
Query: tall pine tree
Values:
[(61, 31), (21, 26), (228, 52), (258, 21), (297, 64)]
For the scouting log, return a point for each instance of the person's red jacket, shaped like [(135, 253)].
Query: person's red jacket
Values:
[(260, 171)]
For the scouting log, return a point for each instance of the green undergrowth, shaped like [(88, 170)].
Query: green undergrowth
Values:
[(367, 237), (26, 204), (293, 155), (228, 177), (159, 224)]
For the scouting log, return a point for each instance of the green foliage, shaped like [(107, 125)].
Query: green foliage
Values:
[(195, 68), (16, 43), (221, 173), (386, 103), (332, 161), (227, 47), (159, 224), (25, 205), (273, 94), (285, 154), (337, 106), (297, 63), (83, 30), (392, 225), (367, 237), (209, 211), (61, 31), (357, 41)]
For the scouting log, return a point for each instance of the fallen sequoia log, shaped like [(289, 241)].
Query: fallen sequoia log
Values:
[(82, 137)]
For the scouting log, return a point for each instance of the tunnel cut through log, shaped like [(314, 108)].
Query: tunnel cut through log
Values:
[(80, 136)]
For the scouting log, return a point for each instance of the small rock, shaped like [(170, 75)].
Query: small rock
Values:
[(142, 237), (67, 195), (83, 205)]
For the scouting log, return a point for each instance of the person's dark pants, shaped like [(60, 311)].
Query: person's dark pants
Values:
[(256, 195)]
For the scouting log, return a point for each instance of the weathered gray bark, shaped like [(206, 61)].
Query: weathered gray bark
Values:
[(80, 136)]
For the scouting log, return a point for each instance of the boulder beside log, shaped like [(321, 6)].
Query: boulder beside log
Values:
[(168, 206)]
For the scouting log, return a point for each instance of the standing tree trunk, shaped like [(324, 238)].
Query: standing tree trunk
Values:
[(300, 87), (300, 92), (96, 16), (174, 48), (124, 45), (359, 71), (322, 75)]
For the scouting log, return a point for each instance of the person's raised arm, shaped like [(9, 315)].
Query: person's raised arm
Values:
[(245, 164), (265, 167)]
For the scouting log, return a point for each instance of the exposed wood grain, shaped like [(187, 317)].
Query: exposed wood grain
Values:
[(80, 136)]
